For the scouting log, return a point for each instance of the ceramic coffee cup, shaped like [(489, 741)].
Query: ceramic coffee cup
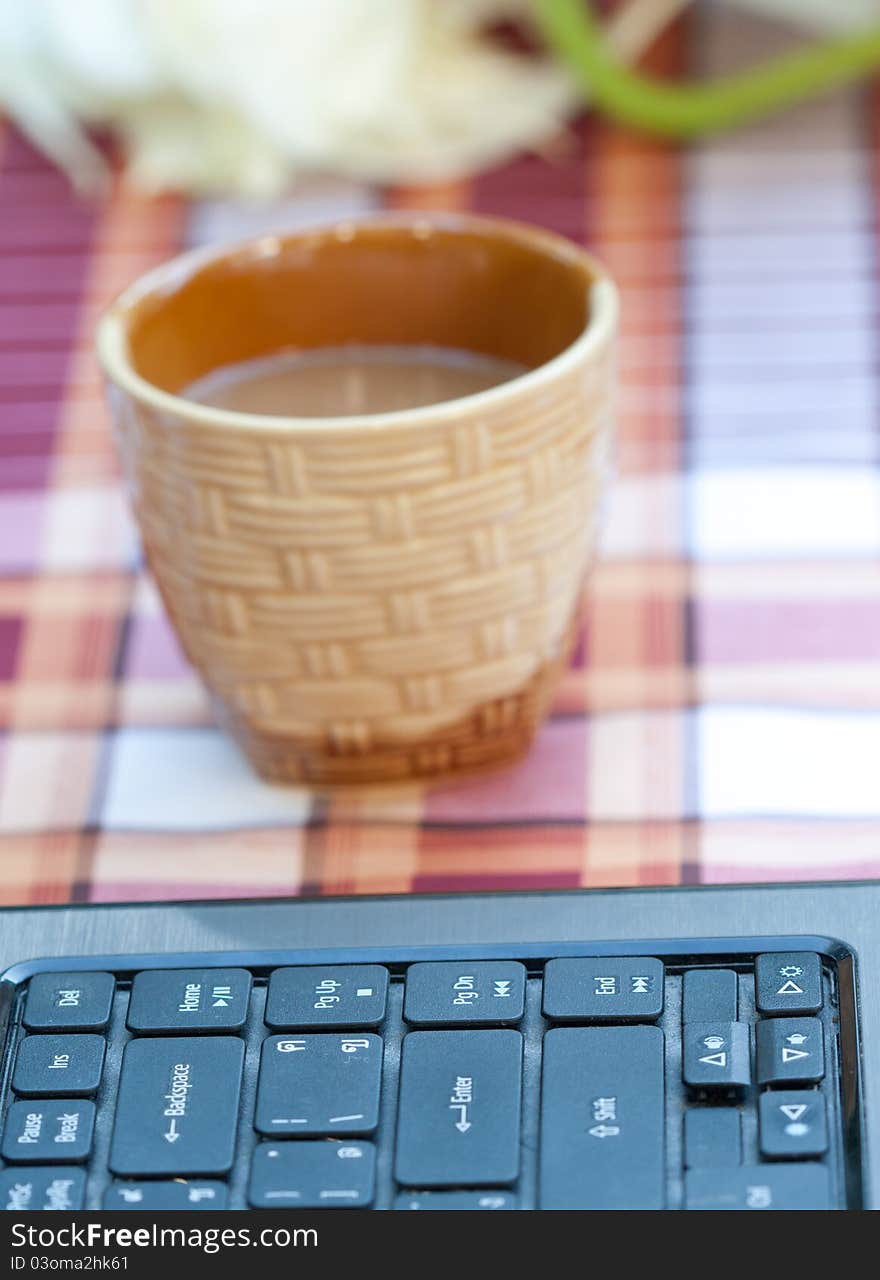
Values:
[(388, 597)]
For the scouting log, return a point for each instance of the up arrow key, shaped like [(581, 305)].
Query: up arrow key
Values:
[(716, 1055), (790, 988), (715, 1059)]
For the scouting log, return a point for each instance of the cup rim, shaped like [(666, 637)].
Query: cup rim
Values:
[(111, 340)]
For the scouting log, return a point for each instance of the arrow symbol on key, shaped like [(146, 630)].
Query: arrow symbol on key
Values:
[(462, 1124), (715, 1059), (172, 1135)]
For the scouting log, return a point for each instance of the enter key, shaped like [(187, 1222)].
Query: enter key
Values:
[(459, 1117)]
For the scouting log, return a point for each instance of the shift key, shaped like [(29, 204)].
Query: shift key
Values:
[(602, 1119), (458, 1123), (177, 1110)]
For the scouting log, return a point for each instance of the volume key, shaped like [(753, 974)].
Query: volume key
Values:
[(716, 1055)]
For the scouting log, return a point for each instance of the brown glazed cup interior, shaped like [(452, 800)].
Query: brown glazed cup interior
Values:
[(452, 286)]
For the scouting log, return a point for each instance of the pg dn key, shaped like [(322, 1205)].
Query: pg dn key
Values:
[(440, 993)]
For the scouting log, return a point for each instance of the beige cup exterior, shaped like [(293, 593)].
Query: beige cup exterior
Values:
[(379, 600)]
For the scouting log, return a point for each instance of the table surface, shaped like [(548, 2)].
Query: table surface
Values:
[(721, 720)]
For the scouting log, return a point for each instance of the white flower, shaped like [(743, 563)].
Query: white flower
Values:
[(220, 93), (244, 94)]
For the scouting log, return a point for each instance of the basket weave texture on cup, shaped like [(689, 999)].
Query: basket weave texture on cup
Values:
[(386, 597), (377, 605)]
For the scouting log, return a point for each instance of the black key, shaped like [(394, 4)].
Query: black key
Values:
[(48, 1132), (25, 1189), (790, 1049), (177, 1108), (161, 1196), (458, 1200), (712, 1137), (327, 996), (458, 1120), (607, 989), (796, 1186), (58, 1066), (709, 995), (484, 991), (319, 1084), (313, 1175), (788, 982), (715, 1055), (69, 1001), (792, 1124), (602, 1119), (189, 1000)]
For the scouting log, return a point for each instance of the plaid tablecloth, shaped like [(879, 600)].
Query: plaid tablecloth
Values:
[(721, 721)]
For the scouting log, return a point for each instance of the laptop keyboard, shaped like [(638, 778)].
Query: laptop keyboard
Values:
[(568, 1081)]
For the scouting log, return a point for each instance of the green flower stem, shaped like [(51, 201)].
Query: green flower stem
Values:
[(689, 110)]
